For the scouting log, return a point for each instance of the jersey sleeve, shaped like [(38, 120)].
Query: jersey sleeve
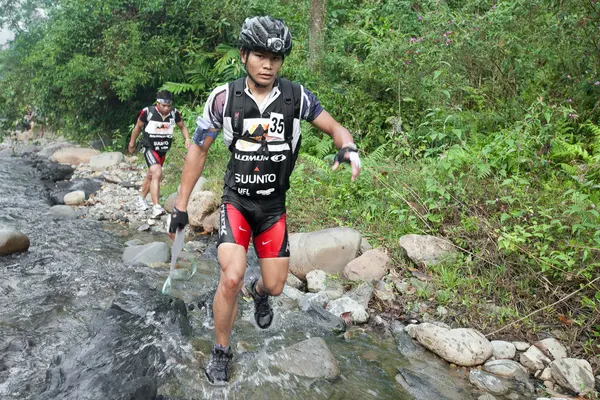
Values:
[(211, 121), (311, 107), (177, 116), (144, 115)]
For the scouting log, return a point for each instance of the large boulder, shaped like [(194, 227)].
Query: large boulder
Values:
[(104, 161), (156, 252), (310, 358), (426, 249), (372, 265), (329, 250), (129, 354), (12, 242), (463, 346), (201, 205), (74, 155), (573, 374)]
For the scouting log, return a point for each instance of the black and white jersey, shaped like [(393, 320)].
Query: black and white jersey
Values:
[(158, 130)]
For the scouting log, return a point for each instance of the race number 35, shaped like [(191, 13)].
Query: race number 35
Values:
[(276, 125)]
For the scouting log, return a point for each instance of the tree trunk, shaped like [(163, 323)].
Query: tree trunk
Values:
[(318, 9)]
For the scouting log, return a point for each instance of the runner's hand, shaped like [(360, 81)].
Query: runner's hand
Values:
[(348, 154), (131, 148), (179, 219)]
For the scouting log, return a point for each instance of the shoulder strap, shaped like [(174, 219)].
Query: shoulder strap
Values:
[(238, 101), (288, 90)]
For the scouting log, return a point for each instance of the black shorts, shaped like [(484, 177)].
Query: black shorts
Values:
[(242, 218), (154, 157)]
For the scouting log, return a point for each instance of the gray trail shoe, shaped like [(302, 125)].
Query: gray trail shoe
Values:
[(263, 313), (217, 370)]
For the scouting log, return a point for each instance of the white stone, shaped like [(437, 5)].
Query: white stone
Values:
[(371, 266), (294, 282), (546, 374), (486, 396), (533, 359), (316, 281), (503, 350), (506, 368), (329, 250), (74, 155), (463, 346), (292, 292), (104, 161), (573, 374), (346, 304), (553, 348), (74, 198), (411, 330), (426, 249), (521, 346)]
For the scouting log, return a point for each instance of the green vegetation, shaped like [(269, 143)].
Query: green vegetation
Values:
[(477, 121)]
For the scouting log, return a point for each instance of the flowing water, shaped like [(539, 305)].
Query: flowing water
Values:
[(57, 339)]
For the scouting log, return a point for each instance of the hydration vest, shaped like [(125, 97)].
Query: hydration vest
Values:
[(262, 157)]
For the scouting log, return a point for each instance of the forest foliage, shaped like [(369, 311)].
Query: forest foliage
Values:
[(477, 120)]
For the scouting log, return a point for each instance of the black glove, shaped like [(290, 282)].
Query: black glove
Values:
[(350, 148), (179, 219)]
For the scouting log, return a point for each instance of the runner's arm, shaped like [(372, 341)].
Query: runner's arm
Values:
[(134, 134), (340, 135), (186, 135), (192, 169)]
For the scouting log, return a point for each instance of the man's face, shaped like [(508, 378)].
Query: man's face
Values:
[(163, 108), (262, 65)]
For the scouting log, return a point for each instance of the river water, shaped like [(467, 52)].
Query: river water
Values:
[(53, 296)]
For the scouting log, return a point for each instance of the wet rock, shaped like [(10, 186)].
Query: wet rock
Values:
[(54, 172), (370, 266), (324, 319), (329, 250), (294, 282), (512, 370), (552, 348), (155, 252), (463, 346), (362, 294), (405, 344), (60, 189), (126, 355), (573, 374), (426, 249), (345, 305), (487, 382), (431, 384), (292, 293), (533, 359), (310, 358), (306, 301), (12, 241), (74, 155), (503, 350), (74, 198), (62, 211), (134, 242), (104, 161), (7, 153)]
